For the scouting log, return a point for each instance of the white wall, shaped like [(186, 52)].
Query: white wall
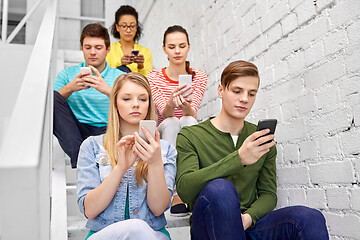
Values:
[(308, 55), (13, 64)]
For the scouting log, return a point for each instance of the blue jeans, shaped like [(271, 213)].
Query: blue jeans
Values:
[(217, 215), (69, 131), (124, 68)]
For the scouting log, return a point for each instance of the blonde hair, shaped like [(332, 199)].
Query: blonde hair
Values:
[(113, 134)]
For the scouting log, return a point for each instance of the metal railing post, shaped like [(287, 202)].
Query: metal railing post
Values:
[(23, 21), (4, 21)]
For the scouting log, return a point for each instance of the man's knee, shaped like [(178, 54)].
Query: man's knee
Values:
[(303, 213), (220, 190), (58, 98), (310, 220)]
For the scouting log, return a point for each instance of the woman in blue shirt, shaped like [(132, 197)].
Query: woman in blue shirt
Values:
[(125, 183)]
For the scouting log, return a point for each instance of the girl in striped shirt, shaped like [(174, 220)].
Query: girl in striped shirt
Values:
[(176, 106)]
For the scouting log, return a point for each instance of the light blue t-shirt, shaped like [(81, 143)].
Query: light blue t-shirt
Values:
[(89, 106)]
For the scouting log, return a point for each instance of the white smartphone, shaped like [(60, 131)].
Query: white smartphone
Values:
[(185, 79), (150, 125), (85, 70)]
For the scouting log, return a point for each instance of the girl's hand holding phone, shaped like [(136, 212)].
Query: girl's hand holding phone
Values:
[(139, 59), (149, 152), (127, 59), (125, 152), (179, 96)]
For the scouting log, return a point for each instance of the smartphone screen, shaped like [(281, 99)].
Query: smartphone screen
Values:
[(135, 52), (85, 70), (185, 79), (267, 124), (150, 125)]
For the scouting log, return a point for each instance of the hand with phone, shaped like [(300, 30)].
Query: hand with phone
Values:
[(138, 58), (147, 142), (97, 81), (127, 59), (76, 84), (258, 143)]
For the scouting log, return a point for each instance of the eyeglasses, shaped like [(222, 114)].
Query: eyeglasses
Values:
[(125, 27)]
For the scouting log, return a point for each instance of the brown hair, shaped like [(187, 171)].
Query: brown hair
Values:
[(177, 28), (113, 134), (95, 30), (238, 69)]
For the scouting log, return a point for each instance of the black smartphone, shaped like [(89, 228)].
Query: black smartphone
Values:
[(267, 124), (135, 52)]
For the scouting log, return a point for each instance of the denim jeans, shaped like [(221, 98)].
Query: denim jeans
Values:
[(69, 131), (217, 215)]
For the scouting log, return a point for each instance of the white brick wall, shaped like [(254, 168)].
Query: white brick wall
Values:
[(308, 54)]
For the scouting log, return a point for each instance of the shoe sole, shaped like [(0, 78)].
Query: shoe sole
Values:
[(179, 214)]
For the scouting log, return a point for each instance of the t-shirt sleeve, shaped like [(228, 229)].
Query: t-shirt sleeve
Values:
[(200, 81), (61, 80)]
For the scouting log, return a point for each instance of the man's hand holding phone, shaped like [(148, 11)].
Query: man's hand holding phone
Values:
[(258, 143), (75, 85), (253, 147), (97, 81)]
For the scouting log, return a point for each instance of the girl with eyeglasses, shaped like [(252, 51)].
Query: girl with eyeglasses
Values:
[(126, 54), (125, 183), (177, 104)]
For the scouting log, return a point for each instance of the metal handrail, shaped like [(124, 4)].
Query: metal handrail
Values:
[(25, 155), (4, 20), (31, 100)]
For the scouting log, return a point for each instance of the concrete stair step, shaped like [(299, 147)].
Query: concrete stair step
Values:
[(179, 233), (76, 228)]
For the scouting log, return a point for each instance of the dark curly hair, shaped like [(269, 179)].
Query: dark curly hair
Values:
[(126, 10)]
